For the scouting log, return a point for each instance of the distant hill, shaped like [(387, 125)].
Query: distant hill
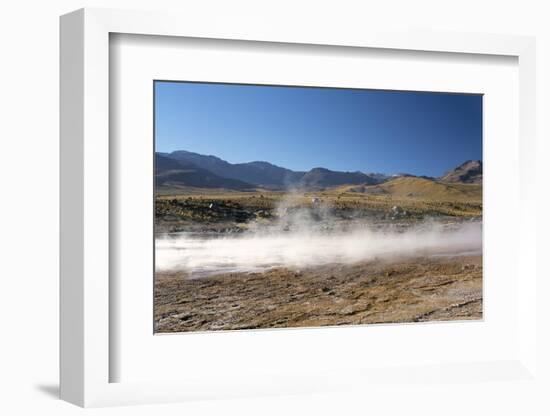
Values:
[(421, 188), (408, 175), (323, 178), (171, 173), (164, 164), (379, 177), (271, 176), (257, 173), (468, 172)]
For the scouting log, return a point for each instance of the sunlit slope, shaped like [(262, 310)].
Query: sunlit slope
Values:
[(420, 188)]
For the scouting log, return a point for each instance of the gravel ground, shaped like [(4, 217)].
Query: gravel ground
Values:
[(408, 290)]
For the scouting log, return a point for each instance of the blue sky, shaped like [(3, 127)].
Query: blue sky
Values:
[(302, 128)]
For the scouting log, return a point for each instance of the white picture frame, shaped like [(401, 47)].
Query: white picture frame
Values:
[(86, 356)]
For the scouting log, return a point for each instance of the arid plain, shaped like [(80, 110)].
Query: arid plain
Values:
[(395, 249)]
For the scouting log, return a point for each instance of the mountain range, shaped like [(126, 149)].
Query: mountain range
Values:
[(187, 169)]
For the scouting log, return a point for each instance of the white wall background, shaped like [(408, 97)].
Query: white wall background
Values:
[(29, 209)]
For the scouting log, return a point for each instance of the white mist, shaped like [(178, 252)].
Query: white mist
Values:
[(302, 248)]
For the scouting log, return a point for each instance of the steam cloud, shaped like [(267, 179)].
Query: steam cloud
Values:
[(295, 244)]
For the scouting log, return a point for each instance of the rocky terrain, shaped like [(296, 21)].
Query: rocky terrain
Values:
[(409, 290), (399, 200)]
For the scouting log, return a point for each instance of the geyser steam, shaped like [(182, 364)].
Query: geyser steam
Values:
[(258, 251)]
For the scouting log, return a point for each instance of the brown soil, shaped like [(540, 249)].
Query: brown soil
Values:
[(410, 290)]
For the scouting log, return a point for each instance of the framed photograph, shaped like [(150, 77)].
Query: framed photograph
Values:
[(266, 211), (376, 216)]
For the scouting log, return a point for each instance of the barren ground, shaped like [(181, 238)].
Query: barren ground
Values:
[(409, 290)]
